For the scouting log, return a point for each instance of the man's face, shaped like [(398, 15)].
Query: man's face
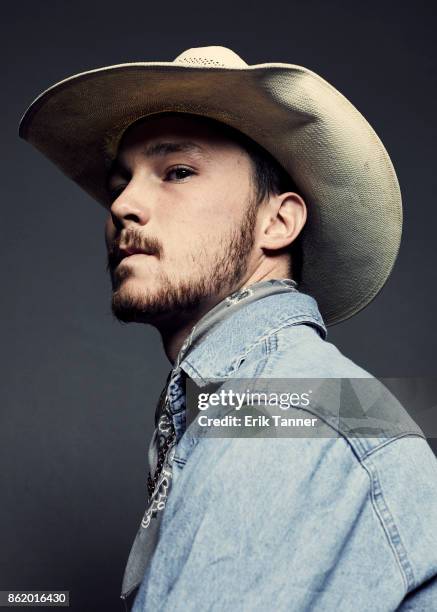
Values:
[(183, 194)]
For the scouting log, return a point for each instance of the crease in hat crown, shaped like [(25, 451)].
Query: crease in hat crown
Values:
[(214, 56)]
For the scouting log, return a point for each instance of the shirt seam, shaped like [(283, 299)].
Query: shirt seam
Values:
[(369, 452), (388, 524), (304, 319), (380, 505), (289, 322)]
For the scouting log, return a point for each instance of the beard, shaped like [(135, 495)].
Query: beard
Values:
[(217, 274)]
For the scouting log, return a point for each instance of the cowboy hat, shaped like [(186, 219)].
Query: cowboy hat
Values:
[(352, 235)]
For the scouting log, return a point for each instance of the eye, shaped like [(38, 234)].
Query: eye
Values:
[(179, 173)]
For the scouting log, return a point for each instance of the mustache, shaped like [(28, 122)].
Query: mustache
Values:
[(131, 239)]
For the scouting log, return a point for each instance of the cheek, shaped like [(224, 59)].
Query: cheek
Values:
[(221, 209), (200, 228), (201, 220)]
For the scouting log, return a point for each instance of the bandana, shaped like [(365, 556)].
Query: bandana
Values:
[(163, 444)]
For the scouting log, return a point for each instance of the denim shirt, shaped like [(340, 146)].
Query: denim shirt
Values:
[(339, 522)]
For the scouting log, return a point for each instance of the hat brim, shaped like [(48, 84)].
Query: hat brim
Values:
[(352, 236)]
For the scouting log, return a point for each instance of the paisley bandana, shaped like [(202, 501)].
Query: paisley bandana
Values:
[(163, 443)]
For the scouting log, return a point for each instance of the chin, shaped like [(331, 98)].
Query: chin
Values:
[(132, 304), (134, 288)]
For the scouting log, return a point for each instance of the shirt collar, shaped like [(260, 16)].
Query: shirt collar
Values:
[(234, 325)]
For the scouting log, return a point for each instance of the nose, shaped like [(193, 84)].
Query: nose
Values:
[(128, 209)]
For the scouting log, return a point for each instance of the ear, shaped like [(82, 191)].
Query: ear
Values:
[(283, 218)]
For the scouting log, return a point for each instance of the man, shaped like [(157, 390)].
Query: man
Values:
[(243, 203)]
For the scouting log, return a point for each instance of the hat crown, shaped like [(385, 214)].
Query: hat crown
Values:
[(220, 57)]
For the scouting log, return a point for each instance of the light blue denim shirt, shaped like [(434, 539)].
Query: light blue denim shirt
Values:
[(340, 523)]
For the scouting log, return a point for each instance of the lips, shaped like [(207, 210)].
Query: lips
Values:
[(127, 252)]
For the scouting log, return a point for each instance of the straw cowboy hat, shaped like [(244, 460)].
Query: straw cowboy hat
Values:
[(352, 235)]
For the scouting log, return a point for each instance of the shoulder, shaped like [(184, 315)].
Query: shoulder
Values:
[(299, 350), (347, 397)]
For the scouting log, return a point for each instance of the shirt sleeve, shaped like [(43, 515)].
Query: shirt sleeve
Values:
[(268, 523)]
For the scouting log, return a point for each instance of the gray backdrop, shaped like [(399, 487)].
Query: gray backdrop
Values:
[(78, 388)]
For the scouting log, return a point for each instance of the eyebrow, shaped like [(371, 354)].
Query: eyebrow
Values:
[(164, 148), (158, 149)]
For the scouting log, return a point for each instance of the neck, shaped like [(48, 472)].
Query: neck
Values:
[(175, 330), (173, 335)]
